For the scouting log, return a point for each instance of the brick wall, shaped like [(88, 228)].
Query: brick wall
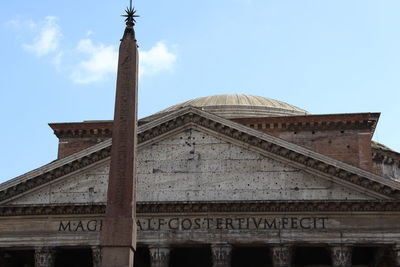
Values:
[(76, 136), (346, 137)]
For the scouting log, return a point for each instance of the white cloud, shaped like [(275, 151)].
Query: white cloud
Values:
[(88, 62), (47, 39), (100, 64), (156, 60)]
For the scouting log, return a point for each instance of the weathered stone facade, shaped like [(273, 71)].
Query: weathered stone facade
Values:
[(194, 166), (212, 191)]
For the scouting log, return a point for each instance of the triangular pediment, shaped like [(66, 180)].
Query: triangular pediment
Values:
[(192, 165), (299, 171)]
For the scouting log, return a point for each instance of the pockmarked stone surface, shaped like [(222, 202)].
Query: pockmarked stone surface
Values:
[(196, 166)]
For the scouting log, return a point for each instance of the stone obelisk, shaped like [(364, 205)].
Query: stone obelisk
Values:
[(118, 235)]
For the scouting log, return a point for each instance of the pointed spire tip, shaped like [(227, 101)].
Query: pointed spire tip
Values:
[(130, 15)]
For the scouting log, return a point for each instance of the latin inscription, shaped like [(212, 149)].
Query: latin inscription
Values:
[(204, 223), (80, 226), (224, 223)]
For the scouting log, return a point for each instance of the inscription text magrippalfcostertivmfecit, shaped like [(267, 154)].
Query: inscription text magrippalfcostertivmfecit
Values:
[(205, 223)]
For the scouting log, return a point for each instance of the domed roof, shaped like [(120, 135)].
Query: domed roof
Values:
[(239, 106)]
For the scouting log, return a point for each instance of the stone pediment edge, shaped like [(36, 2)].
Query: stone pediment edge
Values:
[(105, 145), (307, 206), (253, 138)]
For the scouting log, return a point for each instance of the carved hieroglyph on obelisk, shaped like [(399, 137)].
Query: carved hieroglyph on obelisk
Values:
[(118, 235)]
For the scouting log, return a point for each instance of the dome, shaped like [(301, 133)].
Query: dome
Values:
[(238, 106)]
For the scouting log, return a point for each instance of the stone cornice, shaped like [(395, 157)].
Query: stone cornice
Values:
[(62, 209), (261, 142), (82, 129), (268, 206), (314, 122), (290, 123), (144, 208)]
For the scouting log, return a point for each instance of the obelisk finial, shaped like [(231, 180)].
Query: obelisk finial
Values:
[(130, 21), (130, 15)]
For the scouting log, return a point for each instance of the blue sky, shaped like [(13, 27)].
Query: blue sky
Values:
[(58, 61)]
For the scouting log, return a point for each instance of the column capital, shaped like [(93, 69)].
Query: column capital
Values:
[(44, 256), (221, 254), (221, 245), (159, 255), (341, 255), (281, 256), (96, 256), (167, 246)]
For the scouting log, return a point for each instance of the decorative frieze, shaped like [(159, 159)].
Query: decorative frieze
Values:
[(44, 257), (159, 255), (281, 256), (82, 133), (269, 206), (322, 126), (52, 209), (222, 206), (221, 255), (341, 256)]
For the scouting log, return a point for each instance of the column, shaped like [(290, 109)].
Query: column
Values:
[(44, 257), (282, 256), (221, 255), (96, 256), (159, 256), (396, 253), (341, 256)]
